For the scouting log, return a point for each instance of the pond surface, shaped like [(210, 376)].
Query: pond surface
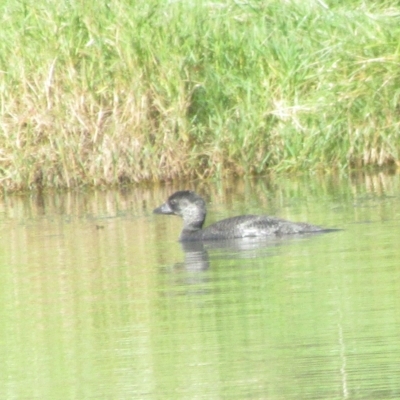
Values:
[(100, 301)]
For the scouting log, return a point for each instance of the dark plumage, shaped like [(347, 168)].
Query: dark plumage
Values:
[(192, 208)]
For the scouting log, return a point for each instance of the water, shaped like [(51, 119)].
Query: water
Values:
[(100, 301)]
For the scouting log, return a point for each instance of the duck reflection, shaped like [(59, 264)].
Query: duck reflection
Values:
[(205, 261), (197, 258)]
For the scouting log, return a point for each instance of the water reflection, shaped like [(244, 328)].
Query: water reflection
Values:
[(197, 257), (100, 301)]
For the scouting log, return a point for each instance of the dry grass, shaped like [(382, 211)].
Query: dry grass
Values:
[(117, 92)]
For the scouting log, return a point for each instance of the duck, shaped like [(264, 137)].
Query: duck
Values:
[(192, 209)]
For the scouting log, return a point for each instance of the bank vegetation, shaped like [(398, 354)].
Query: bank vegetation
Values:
[(114, 91)]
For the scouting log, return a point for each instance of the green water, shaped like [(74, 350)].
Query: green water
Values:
[(100, 301)]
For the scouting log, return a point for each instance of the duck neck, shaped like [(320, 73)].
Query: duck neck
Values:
[(193, 225), (191, 230), (193, 218)]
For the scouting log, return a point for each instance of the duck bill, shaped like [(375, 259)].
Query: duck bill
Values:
[(163, 209)]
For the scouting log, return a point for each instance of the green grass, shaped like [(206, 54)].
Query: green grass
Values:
[(108, 92)]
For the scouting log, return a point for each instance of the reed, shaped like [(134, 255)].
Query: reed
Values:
[(111, 92)]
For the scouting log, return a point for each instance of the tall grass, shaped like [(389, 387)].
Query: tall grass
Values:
[(115, 91)]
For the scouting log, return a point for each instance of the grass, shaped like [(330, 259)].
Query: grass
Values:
[(115, 91)]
